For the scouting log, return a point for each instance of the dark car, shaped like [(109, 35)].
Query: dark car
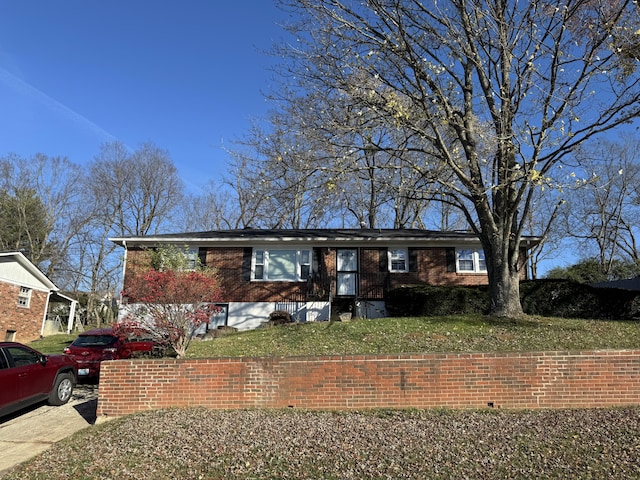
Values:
[(94, 346), (28, 377)]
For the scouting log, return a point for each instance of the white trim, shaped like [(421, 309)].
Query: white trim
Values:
[(44, 315), (318, 237), (24, 293), (266, 250), (475, 259), (405, 251), (23, 261)]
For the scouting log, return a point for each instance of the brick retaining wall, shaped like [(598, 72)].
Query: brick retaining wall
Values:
[(510, 380)]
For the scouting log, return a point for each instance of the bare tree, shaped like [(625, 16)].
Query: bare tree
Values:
[(133, 193), (603, 215), (542, 220), (47, 210), (276, 179), (213, 209), (321, 157), (139, 190), (497, 92)]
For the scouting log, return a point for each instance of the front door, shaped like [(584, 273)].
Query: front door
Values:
[(347, 271)]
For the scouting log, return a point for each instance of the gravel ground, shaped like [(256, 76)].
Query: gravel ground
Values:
[(293, 444)]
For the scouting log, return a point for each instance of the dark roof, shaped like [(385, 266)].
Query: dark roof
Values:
[(318, 235)]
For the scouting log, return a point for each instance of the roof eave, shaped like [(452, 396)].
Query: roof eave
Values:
[(454, 238), (32, 269)]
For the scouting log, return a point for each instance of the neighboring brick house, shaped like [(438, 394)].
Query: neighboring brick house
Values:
[(25, 296), (316, 274)]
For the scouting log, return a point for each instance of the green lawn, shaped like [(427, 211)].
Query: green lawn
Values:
[(53, 343), (409, 335)]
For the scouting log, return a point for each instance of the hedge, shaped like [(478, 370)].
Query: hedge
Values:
[(553, 298)]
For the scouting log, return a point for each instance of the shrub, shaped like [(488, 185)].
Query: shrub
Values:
[(170, 305), (429, 300), (552, 298), (566, 298), (279, 317)]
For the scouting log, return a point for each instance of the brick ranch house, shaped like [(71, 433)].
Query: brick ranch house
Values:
[(317, 274), (26, 295)]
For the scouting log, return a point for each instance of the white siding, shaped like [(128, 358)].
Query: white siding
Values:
[(14, 273)]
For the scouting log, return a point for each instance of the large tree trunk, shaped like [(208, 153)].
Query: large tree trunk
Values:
[(504, 278), (504, 289)]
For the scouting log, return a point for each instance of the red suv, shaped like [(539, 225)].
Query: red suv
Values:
[(28, 377), (94, 346)]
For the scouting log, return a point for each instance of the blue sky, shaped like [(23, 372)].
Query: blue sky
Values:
[(186, 75)]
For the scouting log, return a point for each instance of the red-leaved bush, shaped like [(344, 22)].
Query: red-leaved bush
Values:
[(169, 306)]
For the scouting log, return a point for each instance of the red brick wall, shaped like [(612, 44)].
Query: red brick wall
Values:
[(516, 380), (432, 269), (26, 322), (239, 288)]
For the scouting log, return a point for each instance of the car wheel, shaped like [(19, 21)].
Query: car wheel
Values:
[(62, 389)]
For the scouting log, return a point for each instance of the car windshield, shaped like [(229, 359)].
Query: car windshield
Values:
[(94, 341)]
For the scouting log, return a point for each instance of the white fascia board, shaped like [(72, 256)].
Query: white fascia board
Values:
[(313, 240), (32, 269)]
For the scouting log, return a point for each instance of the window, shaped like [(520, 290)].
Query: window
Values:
[(305, 264), (183, 259), (192, 259), (398, 260), (3, 361), (22, 356), (347, 271), (24, 297), (281, 265), (471, 261)]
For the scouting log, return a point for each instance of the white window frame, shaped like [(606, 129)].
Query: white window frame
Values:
[(393, 256), (479, 264), (260, 259), (24, 297)]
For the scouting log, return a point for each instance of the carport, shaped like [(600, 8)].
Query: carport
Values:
[(57, 298)]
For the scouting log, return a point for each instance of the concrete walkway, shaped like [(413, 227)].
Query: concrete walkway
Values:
[(32, 431)]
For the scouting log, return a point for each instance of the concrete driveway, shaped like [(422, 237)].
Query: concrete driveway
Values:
[(31, 431)]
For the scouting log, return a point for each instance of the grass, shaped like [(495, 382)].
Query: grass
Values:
[(426, 334), (468, 333), (53, 343)]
